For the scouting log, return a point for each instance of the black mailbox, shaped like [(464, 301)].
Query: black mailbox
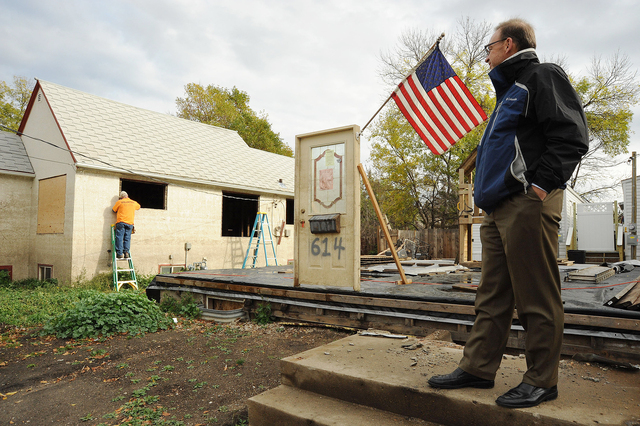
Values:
[(325, 223)]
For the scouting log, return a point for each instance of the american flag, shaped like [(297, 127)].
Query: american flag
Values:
[(438, 104)]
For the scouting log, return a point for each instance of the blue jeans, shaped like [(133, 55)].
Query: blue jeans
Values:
[(123, 237)]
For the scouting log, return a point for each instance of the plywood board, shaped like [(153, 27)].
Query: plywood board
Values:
[(51, 203)]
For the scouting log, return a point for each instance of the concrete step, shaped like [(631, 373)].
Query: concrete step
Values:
[(382, 374), (287, 406)]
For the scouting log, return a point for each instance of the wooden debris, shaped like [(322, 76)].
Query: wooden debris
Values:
[(474, 264), (376, 259), (469, 288), (628, 298), (603, 360), (592, 273)]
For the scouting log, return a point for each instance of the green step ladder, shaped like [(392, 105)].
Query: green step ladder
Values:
[(122, 266), (259, 233)]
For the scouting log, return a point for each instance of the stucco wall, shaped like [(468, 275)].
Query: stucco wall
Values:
[(16, 210), (193, 215)]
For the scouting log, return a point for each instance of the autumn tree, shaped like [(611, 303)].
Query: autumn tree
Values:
[(229, 108), (13, 101), (419, 189)]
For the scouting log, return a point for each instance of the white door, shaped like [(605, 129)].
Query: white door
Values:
[(328, 193)]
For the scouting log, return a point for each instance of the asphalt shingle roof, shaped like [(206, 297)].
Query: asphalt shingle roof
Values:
[(13, 156), (100, 131)]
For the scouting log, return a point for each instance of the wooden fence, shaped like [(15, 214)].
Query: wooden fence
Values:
[(430, 243)]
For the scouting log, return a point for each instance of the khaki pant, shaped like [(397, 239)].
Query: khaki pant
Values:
[(519, 268)]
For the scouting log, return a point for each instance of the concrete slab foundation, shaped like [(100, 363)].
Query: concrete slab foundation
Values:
[(391, 375)]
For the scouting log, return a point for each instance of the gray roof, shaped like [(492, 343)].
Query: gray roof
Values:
[(100, 131), (13, 156)]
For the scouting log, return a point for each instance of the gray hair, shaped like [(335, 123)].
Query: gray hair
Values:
[(520, 31), (123, 194)]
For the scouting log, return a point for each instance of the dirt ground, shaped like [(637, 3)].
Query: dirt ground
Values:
[(199, 373)]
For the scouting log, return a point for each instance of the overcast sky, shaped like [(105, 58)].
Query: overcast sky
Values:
[(310, 65)]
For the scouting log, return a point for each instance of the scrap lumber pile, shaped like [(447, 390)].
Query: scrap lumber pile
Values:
[(628, 298), (592, 273), (366, 260)]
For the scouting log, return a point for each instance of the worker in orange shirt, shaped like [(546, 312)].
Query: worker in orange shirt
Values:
[(125, 209)]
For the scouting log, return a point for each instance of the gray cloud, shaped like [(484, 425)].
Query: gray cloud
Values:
[(309, 64)]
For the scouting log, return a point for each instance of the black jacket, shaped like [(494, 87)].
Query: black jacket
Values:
[(537, 133)]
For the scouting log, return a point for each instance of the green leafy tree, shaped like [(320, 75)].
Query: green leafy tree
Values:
[(229, 108), (13, 101)]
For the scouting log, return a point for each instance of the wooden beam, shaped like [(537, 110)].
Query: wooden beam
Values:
[(416, 305), (469, 164), (383, 224)]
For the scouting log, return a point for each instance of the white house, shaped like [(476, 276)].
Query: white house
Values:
[(16, 191), (200, 188)]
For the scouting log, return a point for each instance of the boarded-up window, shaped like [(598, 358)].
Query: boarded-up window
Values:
[(51, 200)]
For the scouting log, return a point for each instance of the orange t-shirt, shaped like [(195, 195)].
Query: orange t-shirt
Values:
[(126, 210)]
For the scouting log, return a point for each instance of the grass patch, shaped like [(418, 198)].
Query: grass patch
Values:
[(33, 307), (32, 303)]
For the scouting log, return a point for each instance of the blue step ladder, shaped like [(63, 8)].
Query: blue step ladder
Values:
[(262, 234), (122, 266)]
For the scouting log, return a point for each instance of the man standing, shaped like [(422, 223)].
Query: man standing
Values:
[(534, 139), (125, 209)]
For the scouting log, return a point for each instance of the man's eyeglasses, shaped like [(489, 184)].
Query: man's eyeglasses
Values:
[(486, 47)]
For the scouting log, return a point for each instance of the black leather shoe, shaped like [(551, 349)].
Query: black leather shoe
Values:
[(526, 395), (459, 379)]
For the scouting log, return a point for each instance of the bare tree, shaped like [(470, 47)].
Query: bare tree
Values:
[(608, 92)]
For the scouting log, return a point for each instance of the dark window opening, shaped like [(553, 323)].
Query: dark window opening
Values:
[(149, 195), (9, 270), (290, 212), (238, 214)]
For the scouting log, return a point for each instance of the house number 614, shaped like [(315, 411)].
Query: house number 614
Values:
[(322, 247)]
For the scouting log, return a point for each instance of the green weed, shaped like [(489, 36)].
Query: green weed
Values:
[(24, 307), (185, 307), (263, 314), (107, 314)]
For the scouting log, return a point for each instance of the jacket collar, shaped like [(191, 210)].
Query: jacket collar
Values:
[(504, 75)]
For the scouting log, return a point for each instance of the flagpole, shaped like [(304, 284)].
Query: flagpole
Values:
[(409, 73)]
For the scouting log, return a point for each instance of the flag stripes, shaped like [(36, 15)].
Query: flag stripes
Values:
[(437, 104)]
